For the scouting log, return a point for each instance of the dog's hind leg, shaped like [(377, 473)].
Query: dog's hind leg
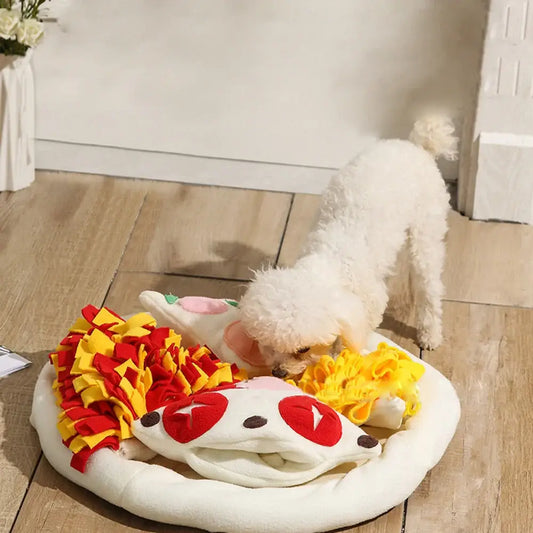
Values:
[(427, 249)]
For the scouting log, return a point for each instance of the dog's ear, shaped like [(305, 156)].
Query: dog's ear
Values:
[(353, 323)]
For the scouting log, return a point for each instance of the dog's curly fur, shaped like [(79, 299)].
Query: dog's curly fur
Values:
[(391, 191)]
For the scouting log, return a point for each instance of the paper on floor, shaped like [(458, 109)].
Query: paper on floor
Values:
[(11, 362)]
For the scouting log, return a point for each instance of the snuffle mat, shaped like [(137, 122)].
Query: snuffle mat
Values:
[(263, 456)]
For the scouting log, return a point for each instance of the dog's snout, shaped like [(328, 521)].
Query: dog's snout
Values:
[(279, 372), (150, 419), (255, 421)]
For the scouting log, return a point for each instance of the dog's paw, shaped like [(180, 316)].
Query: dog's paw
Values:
[(135, 449), (430, 338)]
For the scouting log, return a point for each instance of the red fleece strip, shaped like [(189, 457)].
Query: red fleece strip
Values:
[(101, 415), (96, 424), (79, 460)]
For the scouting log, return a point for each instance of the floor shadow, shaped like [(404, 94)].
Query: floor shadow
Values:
[(360, 524), (235, 260), (394, 325)]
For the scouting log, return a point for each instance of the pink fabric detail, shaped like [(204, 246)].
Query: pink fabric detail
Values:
[(202, 305), (267, 383), (243, 345)]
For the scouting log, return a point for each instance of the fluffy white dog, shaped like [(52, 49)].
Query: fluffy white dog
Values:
[(391, 191)]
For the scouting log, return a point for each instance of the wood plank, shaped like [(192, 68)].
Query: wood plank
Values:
[(489, 262), (206, 231), (301, 221), (61, 240), (483, 482), (485, 355), (20, 448), (390, 522)]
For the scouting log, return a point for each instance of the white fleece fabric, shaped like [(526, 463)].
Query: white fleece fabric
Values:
[(217, 323), (262, 433), (333, 500), (211, 321)]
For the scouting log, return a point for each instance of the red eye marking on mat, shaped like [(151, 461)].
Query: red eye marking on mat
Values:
[(311, 419), (191, 417)]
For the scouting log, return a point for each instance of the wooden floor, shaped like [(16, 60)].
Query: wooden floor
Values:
[(70, 240)]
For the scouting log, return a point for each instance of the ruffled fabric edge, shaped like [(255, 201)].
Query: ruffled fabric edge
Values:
[(111, 371), (352, 383)]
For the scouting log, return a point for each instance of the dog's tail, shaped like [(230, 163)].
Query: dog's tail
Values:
[(434, 133)]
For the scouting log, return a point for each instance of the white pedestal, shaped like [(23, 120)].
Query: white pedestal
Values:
[(496, 174), (504, 184), (17, 123)]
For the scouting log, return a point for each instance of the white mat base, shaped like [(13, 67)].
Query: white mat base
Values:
[(331, 501)]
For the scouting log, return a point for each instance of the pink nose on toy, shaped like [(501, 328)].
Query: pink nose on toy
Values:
[(202, 305)]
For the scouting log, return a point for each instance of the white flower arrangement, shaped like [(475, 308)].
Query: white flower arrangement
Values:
[(20, 27)]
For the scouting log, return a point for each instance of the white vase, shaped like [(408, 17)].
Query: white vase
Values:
[(17, 122)]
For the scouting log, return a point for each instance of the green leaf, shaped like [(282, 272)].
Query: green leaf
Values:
[(11, 47)]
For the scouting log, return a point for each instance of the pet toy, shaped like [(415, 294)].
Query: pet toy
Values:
[(378, 389), (174, 495), (258, 433), (110, 371), (212, 321), (120, 378)]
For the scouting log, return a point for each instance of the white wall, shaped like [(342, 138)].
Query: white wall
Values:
[(299, 82)]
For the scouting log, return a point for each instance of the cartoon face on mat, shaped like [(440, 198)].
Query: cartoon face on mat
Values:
[(263, 432)]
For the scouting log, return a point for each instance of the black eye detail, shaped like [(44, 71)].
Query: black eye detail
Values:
[(303, 350), (150, 419)]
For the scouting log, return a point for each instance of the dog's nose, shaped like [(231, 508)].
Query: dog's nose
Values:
[(255, 421), (150, 419), (279, 372), (366, 441)]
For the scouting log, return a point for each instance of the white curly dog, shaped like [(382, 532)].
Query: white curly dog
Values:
[(391, 191)]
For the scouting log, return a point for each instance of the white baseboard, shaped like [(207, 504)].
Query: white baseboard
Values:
[(123, 162), (181, 168)]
